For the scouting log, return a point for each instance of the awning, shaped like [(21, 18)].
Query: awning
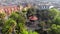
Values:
[(33, 18)]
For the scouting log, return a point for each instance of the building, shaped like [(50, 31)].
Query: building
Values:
[(9, 9), (44, 6)]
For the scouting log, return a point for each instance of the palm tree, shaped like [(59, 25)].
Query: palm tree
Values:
[(9, 26)]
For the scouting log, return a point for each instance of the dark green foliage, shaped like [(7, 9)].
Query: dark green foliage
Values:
[(57, 21), (2, 19), (55, 29), (17, 17), (9, 26), (49, 21)]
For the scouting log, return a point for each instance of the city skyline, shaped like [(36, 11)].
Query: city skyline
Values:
[(11, 2)]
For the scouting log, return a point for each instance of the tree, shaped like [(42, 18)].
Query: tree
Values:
[(49, 20), (2, 18), (55, 29), (9, 26), (20, 20), (32, 32)]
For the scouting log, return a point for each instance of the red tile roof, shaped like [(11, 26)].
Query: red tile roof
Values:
[(9, 9)]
